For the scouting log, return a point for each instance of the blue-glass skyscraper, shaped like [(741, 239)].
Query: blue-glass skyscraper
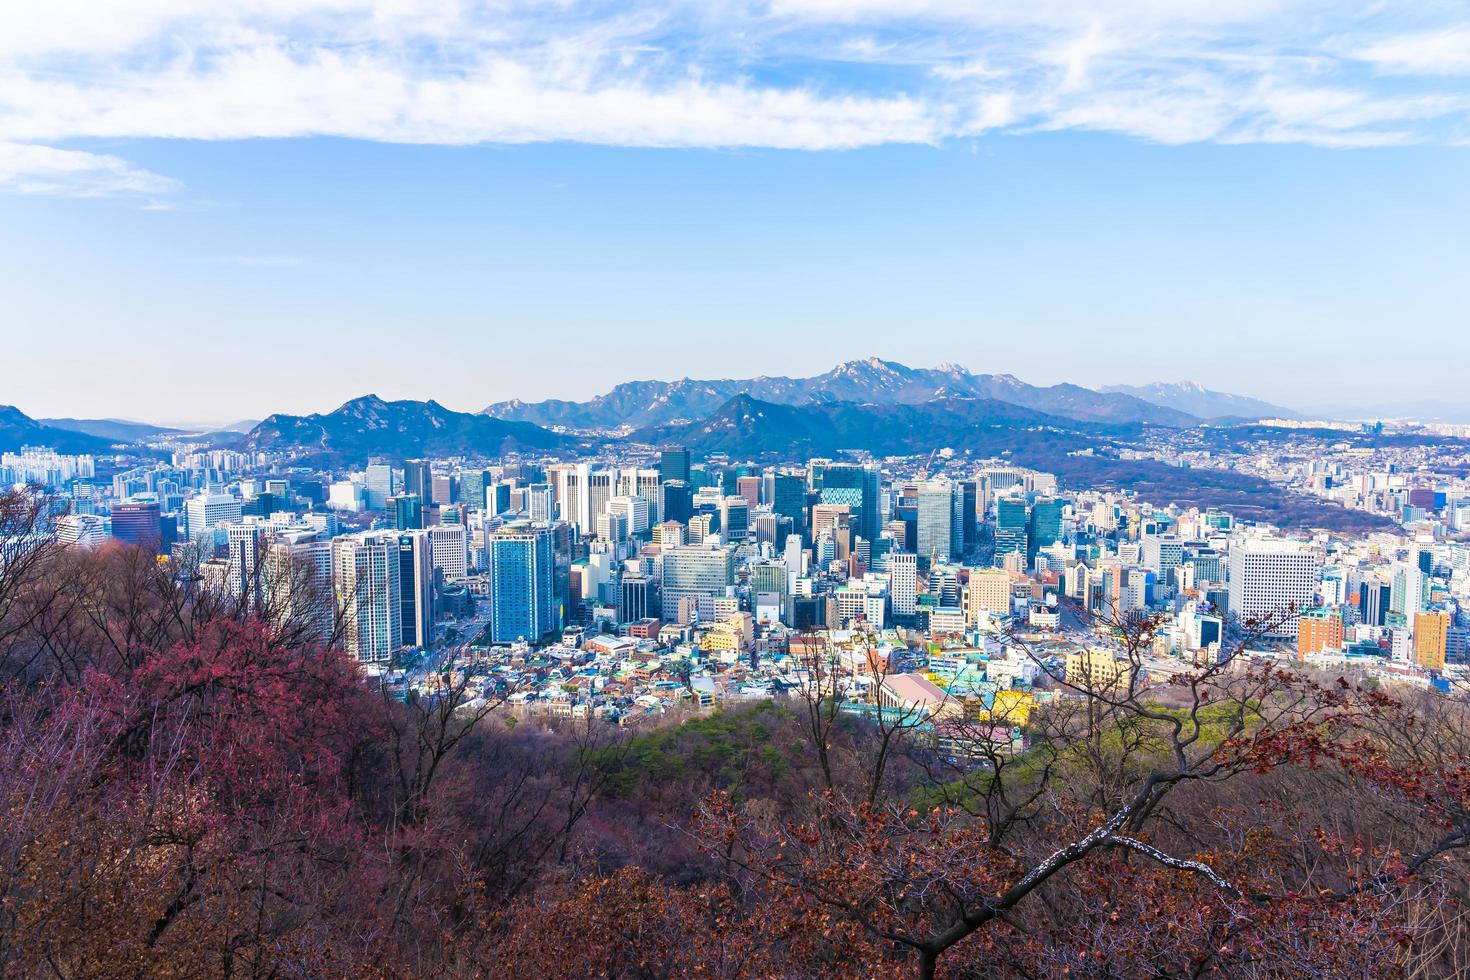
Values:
[(522, 596)]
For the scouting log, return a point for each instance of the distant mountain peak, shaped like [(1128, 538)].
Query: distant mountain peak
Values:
[(1196, 399)]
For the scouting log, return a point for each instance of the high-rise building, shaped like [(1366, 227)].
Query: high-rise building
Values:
[(379, 483), (903, 583), (418, 479), (1010, 527), (988, 591), (1268, 577), (695, 572), (365, 577), (634, 511), (749, 487), (473, 485), (298, 583), (673, 464), (407, 511), (676, 501), (1044, 528), (855, 485), (416, 588), (1431, 635), (81, 530), (734, 519), (449, 545), (937, 504), (522, 596), (788, 497), (1318, 629), (445, 490), (209, 510), (138, 523)]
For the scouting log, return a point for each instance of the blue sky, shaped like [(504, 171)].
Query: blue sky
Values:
[(222, 211)]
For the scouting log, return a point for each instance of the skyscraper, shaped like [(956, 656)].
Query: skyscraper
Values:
[(522, 598), (1044, 527), (695, 572), (365, 577), (1010, 527), (138, 523), (416, 588), (673, 464), (937, 507), (854, 485), (1267, 577)]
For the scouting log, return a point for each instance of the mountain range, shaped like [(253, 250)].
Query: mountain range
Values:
[(18, 429), (637, 404), (370, 426), (1195, 399), (748, 427)]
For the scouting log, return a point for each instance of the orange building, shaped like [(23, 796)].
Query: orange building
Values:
[(1431, 631), (1318, 630)]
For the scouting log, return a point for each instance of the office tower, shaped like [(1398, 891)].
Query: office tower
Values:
[(573, 503), (788, 497), (522, 587), (539, 503), (903, 583), (298, 584), (676, 501), (1318, 629), (1010, 527), (498, 495), (749, 487), (1267, 577), (734, 519), (937, 506), (245, 547), (449, 545), (138, 523), (854, 485), (80, 530), (825, 517), (379, 483), (365, 578), (444, 490), (612, 527), (695, 572), (208, 510), (637, 599), (346, 495), (700, 527), (1044, 528), (416, 588), (634, 512), (602, 486), (473, 486), (969, 502), (418, 480), (673, 464), (1375, 600), (1161, 553), (988, 591), (669, 534), (1431, 634), (407, 511), (1407, 595)]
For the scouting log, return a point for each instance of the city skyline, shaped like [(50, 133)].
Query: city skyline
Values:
[(1162, 192)]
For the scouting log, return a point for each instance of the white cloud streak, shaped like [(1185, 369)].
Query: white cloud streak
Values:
[(788, 74)]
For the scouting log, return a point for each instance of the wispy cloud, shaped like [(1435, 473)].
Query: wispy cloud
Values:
[(30, 169), (791, 74)]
